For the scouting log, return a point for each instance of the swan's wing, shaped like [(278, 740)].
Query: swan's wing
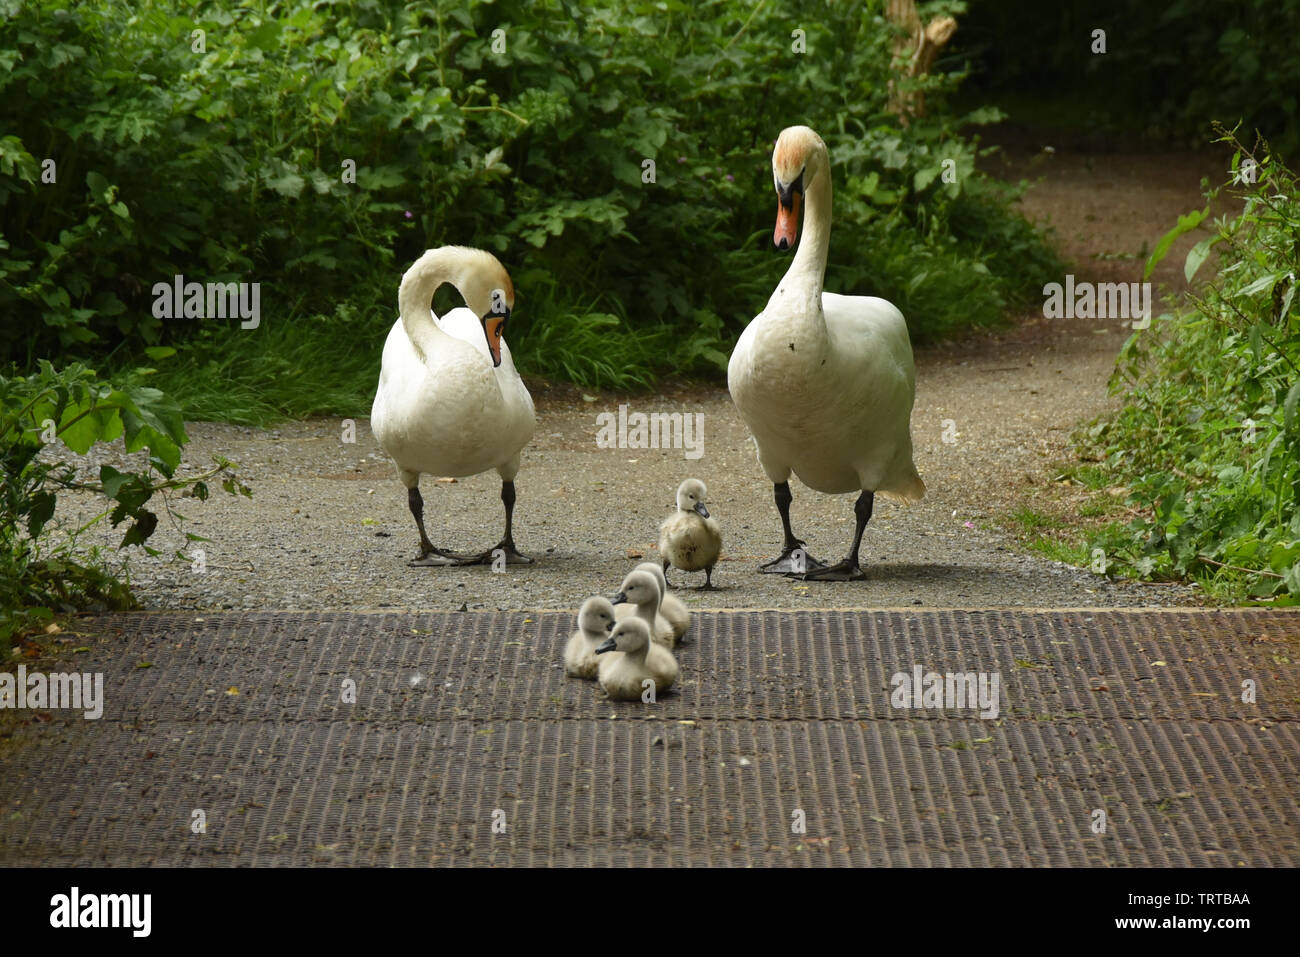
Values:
[(869, 317), (885, 384), (464, 325)]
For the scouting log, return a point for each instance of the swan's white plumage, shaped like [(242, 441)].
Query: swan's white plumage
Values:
[(441, 407), (623, 672), (595, 620), (672, 609), (825, 382)]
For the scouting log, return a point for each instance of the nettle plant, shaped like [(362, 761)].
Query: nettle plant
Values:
[(43, 569), (1209, 438)]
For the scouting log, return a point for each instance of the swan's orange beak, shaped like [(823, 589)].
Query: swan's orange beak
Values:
[(494, 328), (787, 223)]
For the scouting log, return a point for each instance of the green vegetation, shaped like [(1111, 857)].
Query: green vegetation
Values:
[(1208, 442), (317, 148), (41, 572), (1050, 535)]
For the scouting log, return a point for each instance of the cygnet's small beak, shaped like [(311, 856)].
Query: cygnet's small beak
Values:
[(618, 599), (609, 626), (699, 507), (604, 646)]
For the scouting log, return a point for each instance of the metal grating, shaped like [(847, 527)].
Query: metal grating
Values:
[(1134, 712)]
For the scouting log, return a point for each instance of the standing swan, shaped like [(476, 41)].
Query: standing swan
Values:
[(824, 382), (450, 401)]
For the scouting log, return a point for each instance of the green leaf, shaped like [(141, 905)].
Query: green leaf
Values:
[(287, 184), (1291, 578), (1284, 307), (924, 177), (1197, 256), (1289, 407), (99, 186), (144, 526), (1259, 285), (1185, 224), (40, 512), (112, 480)]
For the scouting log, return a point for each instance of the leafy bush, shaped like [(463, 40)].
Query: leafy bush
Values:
[(521, 127), (41, 572), (1208, 441)]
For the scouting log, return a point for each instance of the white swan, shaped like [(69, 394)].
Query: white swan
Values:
[(634, 661), (640, 597), (824, 382), (595, 621), (671, 608), (690, 539), (450, 401)]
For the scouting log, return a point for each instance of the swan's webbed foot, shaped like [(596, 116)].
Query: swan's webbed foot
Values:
[(434, 557), (429, 555), (845, 571), (506, 550), (506, 547), (793, 561), (848, 570), (708, 582)]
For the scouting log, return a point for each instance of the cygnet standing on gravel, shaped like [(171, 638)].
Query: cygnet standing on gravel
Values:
[(689, 539)]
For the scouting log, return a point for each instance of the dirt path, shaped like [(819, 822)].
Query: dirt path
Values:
[(328, 525)]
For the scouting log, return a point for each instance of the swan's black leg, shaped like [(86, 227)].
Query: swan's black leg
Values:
[(507, 543), (428, 554), (708, 581), (788, 563), (848, 570), (666, 581)]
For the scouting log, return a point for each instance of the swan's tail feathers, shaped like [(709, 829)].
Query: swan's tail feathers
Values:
[(908, 494)]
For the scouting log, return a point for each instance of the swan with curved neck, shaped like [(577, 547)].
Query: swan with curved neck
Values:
[(824, 382), (450, 402)]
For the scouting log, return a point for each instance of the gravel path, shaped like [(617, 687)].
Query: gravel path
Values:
[(328, 525)]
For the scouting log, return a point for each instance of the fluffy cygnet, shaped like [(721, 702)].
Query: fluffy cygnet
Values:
[(629, 660)]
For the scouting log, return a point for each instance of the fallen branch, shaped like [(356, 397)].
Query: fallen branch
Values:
[(1237, 568)]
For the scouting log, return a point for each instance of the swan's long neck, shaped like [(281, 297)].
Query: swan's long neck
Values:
[(808, 271), (415, 296)]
